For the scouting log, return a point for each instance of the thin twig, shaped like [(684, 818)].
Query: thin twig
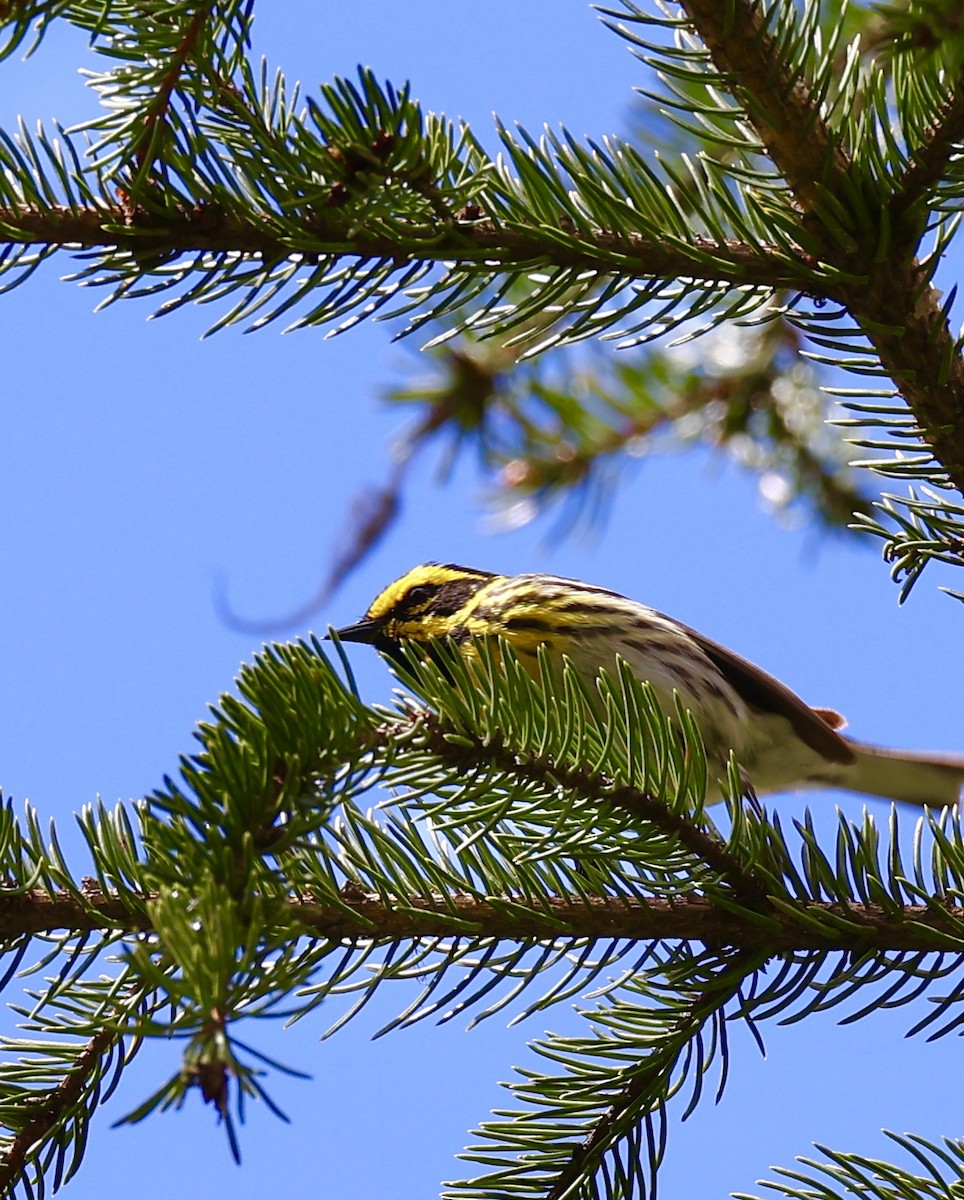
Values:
[(653, 1068), (930, 160), (703, 845), (161, 100), (49, 1107)]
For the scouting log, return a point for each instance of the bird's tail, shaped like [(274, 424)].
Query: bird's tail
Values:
[(934, 780)]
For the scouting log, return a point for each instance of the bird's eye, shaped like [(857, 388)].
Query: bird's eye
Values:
[(421, 595)]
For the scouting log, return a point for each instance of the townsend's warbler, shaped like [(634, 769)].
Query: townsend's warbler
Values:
[(780, 741)]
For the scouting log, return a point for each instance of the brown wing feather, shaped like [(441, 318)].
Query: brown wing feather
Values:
[(768, 695)]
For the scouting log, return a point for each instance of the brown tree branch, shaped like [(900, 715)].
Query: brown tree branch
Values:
[(207, 228), (145, 144), (652, 1070), (900, 312), (704, 846), (362, 916), (48, 1108), (890, 295), (892, 300), (930, 160), (779, 103)]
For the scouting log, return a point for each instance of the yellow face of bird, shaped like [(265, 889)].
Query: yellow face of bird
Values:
[(430, 601)]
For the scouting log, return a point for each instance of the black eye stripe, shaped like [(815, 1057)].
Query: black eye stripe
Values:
[(452, 596), (436, 599)]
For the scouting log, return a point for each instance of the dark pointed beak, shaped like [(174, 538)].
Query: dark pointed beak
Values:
[(365, 630)]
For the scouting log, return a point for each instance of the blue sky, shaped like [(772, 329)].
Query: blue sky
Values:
[(141, 465)]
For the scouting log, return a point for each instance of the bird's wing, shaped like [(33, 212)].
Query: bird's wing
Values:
[(768, 695)]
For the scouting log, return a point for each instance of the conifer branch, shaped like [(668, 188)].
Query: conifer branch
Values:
[(49, 1108), (38, 911), (362, 916), (210, 229), (942, 139), (144, 147), (704, 845), (784, 113), (891, 297), (646, 1077), (909, 329)]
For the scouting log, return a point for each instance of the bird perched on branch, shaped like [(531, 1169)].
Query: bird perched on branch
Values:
[(781, 742)]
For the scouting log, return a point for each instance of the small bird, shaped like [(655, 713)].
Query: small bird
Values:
[(781, 742)]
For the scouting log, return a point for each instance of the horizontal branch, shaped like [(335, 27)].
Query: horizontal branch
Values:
[(39, 911), (893, 301), (361, 916), (208, 229)]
